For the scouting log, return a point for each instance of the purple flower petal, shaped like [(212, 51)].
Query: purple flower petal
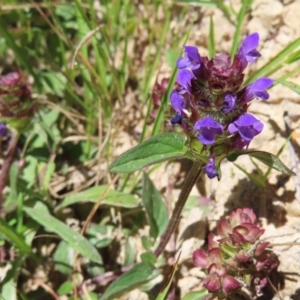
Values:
[(200, 259), (191, 58), (176, 119), (258, 89), (177, 101), (247, 126), (229, 104), (184, 78), (230, 284), (247, 52), (210, 168), (208, 128), (3, 130)]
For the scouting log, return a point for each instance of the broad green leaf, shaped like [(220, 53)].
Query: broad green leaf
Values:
[(63, 258), (138, 275), (14, 237), (148, 257), (267, 158), (40, 214), (155, 208), (291, 85), (199, 295), (93, 194), (163, 293), (65, 288), (158, 148)]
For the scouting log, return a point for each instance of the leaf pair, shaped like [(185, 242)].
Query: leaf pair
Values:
[(170, 146)]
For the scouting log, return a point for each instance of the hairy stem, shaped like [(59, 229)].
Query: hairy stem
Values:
[(6, 166), (185, 192)]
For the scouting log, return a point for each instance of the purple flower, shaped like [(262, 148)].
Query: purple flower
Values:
[(3, 130), (258, 89), (210, 168), (248, 127), (184, 78), (208, 128), (247, 52), (191, 58), (176, 119), (177, 102), (228, 104)]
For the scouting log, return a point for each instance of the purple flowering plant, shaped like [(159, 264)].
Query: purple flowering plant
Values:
[(210, 102)]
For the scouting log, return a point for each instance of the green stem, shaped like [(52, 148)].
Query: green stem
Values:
[(185, 192)]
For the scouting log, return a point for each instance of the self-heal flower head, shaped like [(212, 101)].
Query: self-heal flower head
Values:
[(191, 59), (258, 89), (208, 127), (247, 126), (236, 260), (211, 102), (247, 51)]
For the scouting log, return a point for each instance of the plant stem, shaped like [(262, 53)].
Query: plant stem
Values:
[(185, 192), (6, 166)]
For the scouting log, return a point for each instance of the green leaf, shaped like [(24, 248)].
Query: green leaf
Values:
[(197, 3), (155, 208), (291, 85), (138, 275), (163, 293), (40, 214), (199, 295), (267, 158), (93, 194), (211, 39), (63, 258), (246, 4), (158, 148), (65, 288), (259, 181), (14, 237), (148, 257)]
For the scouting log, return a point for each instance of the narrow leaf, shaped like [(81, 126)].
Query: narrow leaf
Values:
[(267, 158), (158, 148), (257, 181), (14, 237), (93, 194), (162, 295), (155, 208), (138, 275), (291, 85), (40, 214), (199, 295), (240, 19), (211, 39)]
